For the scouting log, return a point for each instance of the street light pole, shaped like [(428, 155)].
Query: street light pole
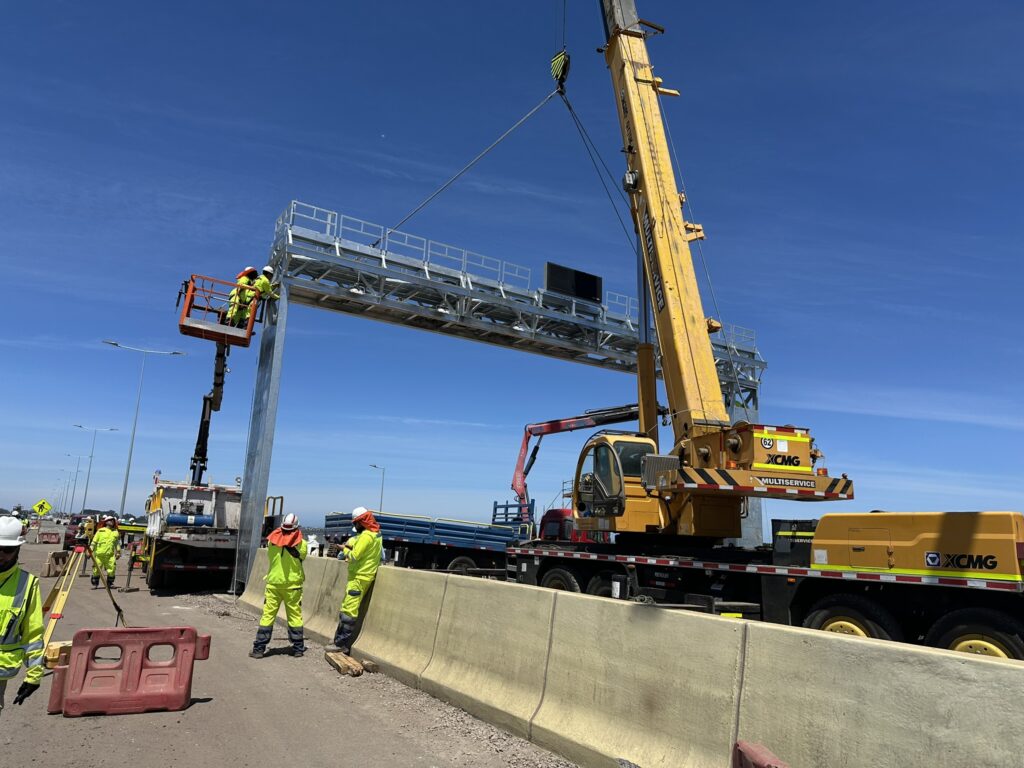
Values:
[(74, 489), (138, 403), (92, 451), (380, 507)]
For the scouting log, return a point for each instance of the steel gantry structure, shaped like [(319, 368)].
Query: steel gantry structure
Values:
[(325, 259)]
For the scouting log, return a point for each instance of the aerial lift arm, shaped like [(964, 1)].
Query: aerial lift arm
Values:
[(211, 402)]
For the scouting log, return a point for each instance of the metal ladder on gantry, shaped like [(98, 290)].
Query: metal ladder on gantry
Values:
[(331, 261)]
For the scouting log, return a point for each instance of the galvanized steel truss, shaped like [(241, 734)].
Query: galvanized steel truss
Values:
[(332, 261)]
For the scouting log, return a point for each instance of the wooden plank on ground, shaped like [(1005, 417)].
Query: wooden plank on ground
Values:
[(345, 665)]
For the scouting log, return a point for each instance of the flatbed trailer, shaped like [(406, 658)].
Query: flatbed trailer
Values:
[(429, 543), (968, 602)]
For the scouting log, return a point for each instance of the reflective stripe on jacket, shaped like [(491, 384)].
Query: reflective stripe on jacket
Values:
[(285, 569), (363, 554), (21, 625)]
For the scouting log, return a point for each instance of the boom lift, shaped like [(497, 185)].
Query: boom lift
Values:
[(622, 484)]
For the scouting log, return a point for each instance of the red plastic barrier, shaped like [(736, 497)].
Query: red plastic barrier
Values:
[(48, 537), (92, 685), (755, 756)]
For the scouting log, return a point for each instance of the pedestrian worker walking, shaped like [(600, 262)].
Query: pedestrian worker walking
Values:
[(286, 550), (21, 616), (106, 548), (362, 552)]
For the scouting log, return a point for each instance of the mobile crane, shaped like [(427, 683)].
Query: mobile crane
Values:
[(654, 523)]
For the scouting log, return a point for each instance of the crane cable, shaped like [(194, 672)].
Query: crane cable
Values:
[(469, 165)]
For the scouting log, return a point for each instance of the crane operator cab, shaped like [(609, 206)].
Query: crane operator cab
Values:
[(623, 485)]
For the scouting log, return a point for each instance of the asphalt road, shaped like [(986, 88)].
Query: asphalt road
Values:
[(249, 712)]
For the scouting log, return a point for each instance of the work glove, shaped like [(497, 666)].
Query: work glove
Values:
[(26, 690)]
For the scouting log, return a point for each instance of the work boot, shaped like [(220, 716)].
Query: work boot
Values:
[(95, 581), (295, 636), (343, 635), (110, 581), (257, 653)]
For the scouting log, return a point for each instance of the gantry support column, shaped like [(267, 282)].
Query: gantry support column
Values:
[(261, 432)]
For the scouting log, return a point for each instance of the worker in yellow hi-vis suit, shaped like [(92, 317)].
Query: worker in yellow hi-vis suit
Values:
[(363, 553), (241, 296), (286, 549), (106, 548), (21, 616)]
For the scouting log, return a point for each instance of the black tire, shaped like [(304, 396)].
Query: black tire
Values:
[(461, 564), (600, 585), (853, 615), (983, 631), (559, 578)]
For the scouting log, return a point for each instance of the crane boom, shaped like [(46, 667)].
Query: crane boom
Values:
[(623, 484), (691, 379)]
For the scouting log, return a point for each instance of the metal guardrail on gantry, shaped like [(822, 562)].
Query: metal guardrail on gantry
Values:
[(331, 261)]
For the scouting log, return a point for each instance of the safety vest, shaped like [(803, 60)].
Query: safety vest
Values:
[(21, 625), (364, 550), (105, 542), (265, 288), (284, 569)]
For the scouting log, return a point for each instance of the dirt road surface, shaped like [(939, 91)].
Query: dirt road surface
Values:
[(277, 710)]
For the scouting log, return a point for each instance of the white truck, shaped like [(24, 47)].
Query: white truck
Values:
[(192, 534)]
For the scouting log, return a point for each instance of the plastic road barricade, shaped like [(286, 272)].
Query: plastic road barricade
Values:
[(123, 671)]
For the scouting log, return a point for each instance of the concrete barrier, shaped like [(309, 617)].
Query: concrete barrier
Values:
[(654, 687), (320, 606), (817, 699), (322, 594), (489, 655), (401, 622), (253, 594)]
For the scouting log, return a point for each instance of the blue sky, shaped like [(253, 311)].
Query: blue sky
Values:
[(857, 170)]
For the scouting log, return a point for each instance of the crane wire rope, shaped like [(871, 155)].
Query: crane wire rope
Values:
[(729, 344), (467, 167), (591, 152)]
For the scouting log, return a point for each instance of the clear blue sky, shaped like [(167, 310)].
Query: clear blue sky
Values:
[(857, 169)]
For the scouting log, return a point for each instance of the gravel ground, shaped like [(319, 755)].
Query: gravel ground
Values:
[(415, 711), (249, 712)]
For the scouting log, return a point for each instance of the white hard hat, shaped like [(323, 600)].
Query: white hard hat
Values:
[(268, 270), (290, 522), (10, 532), (359, 512)]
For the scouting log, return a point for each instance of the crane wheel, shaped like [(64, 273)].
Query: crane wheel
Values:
[(983, 631), (600, 585), (853, 615), (560, 578)]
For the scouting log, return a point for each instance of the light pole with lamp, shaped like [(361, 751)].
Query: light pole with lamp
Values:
[(88, 474), (138, 402), (380, 508)]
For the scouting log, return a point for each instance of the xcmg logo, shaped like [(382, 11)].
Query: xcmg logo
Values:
[(783, 461), (961, 562)]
